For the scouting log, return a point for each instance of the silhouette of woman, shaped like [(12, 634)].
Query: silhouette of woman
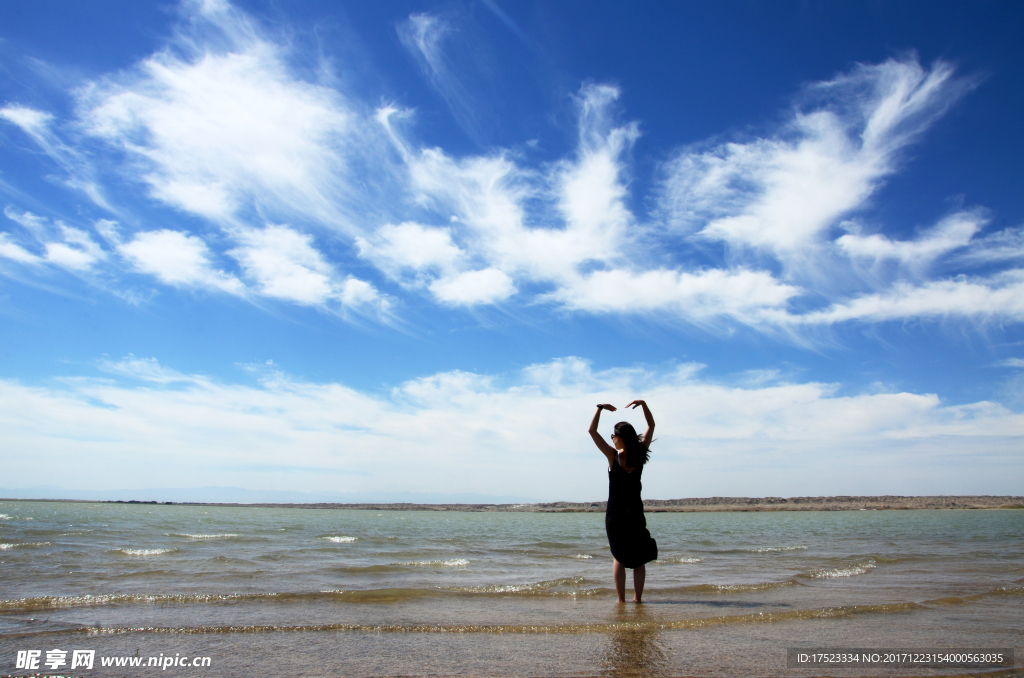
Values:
[(631, 543)]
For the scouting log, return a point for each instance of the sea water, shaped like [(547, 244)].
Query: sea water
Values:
[(311, 592)]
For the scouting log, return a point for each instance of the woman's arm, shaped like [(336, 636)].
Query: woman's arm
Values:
[(649, 433), (607, 449)]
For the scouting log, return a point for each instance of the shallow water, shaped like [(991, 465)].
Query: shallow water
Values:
[(337, 592)]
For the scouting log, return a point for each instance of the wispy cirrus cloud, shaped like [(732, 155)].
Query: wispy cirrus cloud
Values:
[(72, 249), (738, 438), (79, 173), (1001, 247), (447, 62), (783, 194), (217, 128), (998, 296), (951, 233)]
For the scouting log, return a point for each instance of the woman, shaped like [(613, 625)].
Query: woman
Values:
[(632, 545)]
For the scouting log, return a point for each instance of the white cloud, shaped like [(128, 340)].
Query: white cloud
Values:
[(37, 124), (1013, 362), (178, 259), (423, 36), (285, 265), (63, 246), (355, 293), (1000, 297), (219, 130), (145, 369), (782, 195), (486, 286), (15, 252), (489, 434), (953, 232), (29, 119), (589, 223), (77, 251), (1006, 245), (410, 246), (38, 226), (698, 297), (493, 241), (280, 263)]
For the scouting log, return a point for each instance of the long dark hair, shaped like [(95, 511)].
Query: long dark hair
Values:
[(637, 453)]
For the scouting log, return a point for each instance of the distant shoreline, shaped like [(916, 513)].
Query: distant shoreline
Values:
[(694, 505)]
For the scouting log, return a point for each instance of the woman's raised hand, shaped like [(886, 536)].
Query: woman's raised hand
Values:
[(606, 406), (636, 403)]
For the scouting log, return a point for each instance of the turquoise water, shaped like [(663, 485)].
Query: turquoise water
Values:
[(419, 593)]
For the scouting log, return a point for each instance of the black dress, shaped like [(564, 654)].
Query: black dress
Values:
[(632, 545)]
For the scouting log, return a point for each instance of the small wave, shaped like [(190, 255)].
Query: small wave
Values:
[(5, 546), (454, 562), (839, 572), (51, 602), (731, 588), (583, 556), (776, 549), (340, 539), (1008, 591), (200, 537), (145, 552), (541, 587), (763, 586), (683, 560), (391, 595), (506, 588), (748, 587), (4, 516), (553, 545), (531, 629)]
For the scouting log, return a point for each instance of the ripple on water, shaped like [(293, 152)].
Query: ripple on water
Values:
[(144, 552), (843, 571), (454, 562)]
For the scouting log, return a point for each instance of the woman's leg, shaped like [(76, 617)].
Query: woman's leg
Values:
[(639, 574), (619, 574)]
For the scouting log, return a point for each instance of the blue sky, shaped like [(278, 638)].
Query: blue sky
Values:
[(378, 251)]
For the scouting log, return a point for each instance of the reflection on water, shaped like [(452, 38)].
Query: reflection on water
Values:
[(633, 648)]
